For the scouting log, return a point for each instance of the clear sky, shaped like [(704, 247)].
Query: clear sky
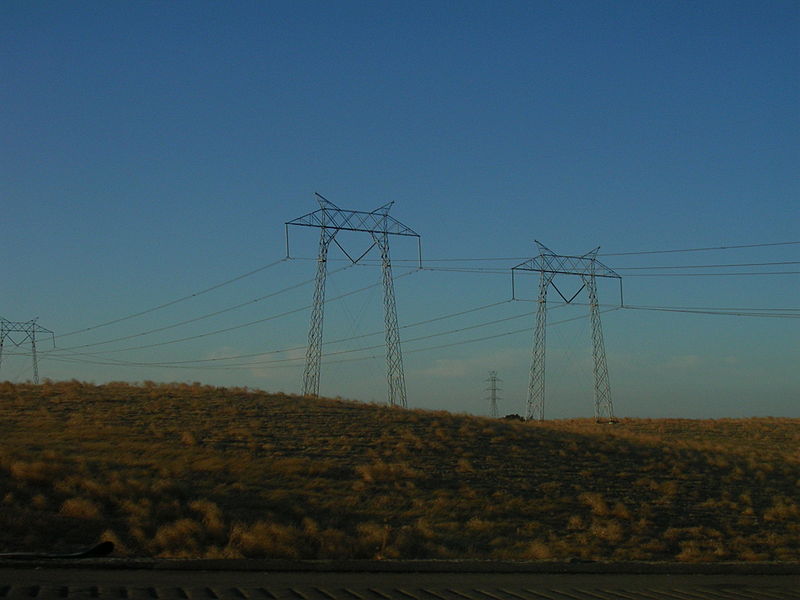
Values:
[(152, 150)]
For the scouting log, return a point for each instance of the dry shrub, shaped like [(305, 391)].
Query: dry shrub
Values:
[(621, 511), (372, 540), (32, 472), (120, 549), (94, 488), (701, 551), (749, 555), (549, 487), (477, 525), (652, 545), (742, 549), (210, 464), (596, 502), (211, 516), (647, 483), (163, 488), (464, 466), (381, 472), (607, 530), (575, 522), (293, 467), (697, 544), (782, 510), (124, 487), (669, 489), (410, 542), (537, 550), (138, 511), (80, 508), (264, 539), (217, 552), (333, 543), (179, 538)]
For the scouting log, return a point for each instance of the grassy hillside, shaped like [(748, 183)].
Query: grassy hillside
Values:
[(190, 471)]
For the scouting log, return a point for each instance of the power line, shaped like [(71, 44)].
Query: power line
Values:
[(283, 362), (784, 313), (724, 311), (769, 315), (737, 274), (483, 270), (329, 342), (499, 271), (199, 318), (724, 308), (173, 302), (715, 266), (263, 364), (632, 253), (463, 270), (356, 337), (416, 339), (706, 249), (240, 326), (736, 312), (507, 333)]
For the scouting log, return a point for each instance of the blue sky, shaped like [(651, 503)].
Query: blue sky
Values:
[(151, 150)]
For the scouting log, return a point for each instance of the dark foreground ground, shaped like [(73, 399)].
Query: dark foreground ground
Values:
[(252, 580)]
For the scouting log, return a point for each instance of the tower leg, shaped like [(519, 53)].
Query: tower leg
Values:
[(603, 409), (394, 355), (314, 349), (35, 360), (536, 385)]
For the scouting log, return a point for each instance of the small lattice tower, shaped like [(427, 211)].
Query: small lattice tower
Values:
[(493, 381)]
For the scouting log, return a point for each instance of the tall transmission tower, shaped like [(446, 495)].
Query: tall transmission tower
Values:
[(588, 269), (493, 380), (11, 330), (330, 220)]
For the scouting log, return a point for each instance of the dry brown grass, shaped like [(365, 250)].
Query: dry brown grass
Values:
[(195, 471)]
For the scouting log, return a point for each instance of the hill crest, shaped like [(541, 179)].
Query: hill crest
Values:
[(184, 470)]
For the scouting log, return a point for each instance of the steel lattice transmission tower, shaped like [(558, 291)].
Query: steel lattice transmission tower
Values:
[(493, 380), (330, 220), (28, 329), (588, 268)]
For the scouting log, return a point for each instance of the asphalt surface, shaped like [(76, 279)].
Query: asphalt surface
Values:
[(204, 580)]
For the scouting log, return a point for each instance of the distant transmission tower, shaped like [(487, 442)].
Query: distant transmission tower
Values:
[(588, 268), (330, 220), (28, 329), (493, 380)]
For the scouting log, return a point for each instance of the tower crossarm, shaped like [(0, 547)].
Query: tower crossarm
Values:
[(29, 329), (567, 265), (377, 221)]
